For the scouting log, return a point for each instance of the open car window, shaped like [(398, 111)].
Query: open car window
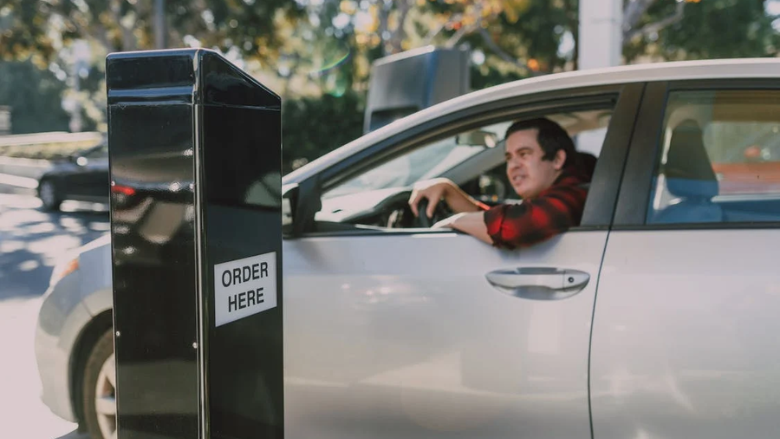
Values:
[(473, 159), (426, 162)]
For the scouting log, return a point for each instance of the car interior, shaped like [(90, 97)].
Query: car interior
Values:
[(703, 131), (377, 199)]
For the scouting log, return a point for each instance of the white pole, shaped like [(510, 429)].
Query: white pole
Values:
[(600, 41), (81, 54), (159, 24)]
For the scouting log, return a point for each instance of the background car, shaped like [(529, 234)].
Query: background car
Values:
[(83, 177), (394, 330)]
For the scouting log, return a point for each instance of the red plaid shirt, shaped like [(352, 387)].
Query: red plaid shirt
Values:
[(554, 211)]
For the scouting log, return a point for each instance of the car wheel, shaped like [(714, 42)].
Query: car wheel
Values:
[(100, 389), (47, 192)]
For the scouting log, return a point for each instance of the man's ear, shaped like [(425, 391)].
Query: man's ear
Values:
[(559, 160)]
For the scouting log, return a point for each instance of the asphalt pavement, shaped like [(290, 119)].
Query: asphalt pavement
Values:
[(31, 242)]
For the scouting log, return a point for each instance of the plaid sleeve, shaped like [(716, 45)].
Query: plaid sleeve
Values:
[(534, 221)]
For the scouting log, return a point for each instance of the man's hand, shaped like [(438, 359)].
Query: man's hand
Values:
[(437, 189), (471, 223), (432, 190)]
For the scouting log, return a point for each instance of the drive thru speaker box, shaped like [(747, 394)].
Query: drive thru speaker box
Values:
[(195, 162)]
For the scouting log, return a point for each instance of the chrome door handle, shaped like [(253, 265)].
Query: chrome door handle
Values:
[(539, 283)]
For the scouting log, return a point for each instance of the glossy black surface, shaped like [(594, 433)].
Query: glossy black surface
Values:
[(151, 76), (242, 204), (195, 152)]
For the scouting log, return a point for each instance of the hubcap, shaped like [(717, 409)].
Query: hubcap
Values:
[(105, 399)]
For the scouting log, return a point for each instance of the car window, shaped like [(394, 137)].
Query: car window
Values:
[(361, 199), (719, 158), (425, 162), (493, 186)]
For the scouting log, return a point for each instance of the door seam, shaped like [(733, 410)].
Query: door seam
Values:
[(590, 337), (604, 254)]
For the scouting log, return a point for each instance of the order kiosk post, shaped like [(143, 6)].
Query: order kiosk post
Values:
[(195, 165)]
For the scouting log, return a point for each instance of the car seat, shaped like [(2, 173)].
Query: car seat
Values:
[(690, 178)]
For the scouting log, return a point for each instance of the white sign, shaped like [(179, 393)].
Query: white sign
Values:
[(244, 287)]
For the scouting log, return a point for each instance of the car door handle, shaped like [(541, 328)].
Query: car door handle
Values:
[(539, 283)]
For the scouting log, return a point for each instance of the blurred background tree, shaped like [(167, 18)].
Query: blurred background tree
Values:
[(317, 53), (35, 96)]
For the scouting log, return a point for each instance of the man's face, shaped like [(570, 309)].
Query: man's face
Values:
[(528, 173)]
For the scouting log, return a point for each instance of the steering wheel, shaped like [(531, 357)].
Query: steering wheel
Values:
[(423, 221)]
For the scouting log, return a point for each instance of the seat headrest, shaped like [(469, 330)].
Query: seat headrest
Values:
[(688, 169), (587, 164)]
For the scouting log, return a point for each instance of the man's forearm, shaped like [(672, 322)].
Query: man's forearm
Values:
[(471, 223), (459, 201)]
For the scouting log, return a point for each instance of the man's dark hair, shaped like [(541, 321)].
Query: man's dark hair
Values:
[(550, 136)]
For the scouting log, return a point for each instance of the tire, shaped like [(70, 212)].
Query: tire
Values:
[(49, 196), (99, 389)]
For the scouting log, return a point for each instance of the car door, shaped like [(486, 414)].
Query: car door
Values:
[(95, 174), (685, 326), (88, 179), (399, 333)]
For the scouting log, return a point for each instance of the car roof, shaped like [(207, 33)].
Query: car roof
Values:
[(671, 71)]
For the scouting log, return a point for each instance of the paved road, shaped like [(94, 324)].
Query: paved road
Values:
[(31, 242)]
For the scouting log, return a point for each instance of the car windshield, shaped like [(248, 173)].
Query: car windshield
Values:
[(426, 162)]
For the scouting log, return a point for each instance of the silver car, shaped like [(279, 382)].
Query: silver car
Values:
[(656, 317)]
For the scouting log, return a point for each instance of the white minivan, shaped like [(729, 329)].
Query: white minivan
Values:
[(392, 330)]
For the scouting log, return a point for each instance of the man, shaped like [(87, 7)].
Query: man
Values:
[(546, 172)]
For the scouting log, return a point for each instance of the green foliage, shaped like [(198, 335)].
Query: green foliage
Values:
[(312, 127), (723, 29), (539, 30), (709, 29), (486, 76), (34, 96), (120, 25)]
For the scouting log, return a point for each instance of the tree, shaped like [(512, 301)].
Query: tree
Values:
[(704, 30), (510, 39), (44, 32), (312, 127), (317, 54), (41, 28), (34, 96)]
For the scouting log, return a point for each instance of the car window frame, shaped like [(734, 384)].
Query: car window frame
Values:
[(637, 183), (599, 209)]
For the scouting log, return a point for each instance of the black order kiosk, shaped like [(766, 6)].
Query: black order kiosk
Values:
[(195, 158)]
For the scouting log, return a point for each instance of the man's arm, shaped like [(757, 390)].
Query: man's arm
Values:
[(534, 221), (472, 223), (522, 225)]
